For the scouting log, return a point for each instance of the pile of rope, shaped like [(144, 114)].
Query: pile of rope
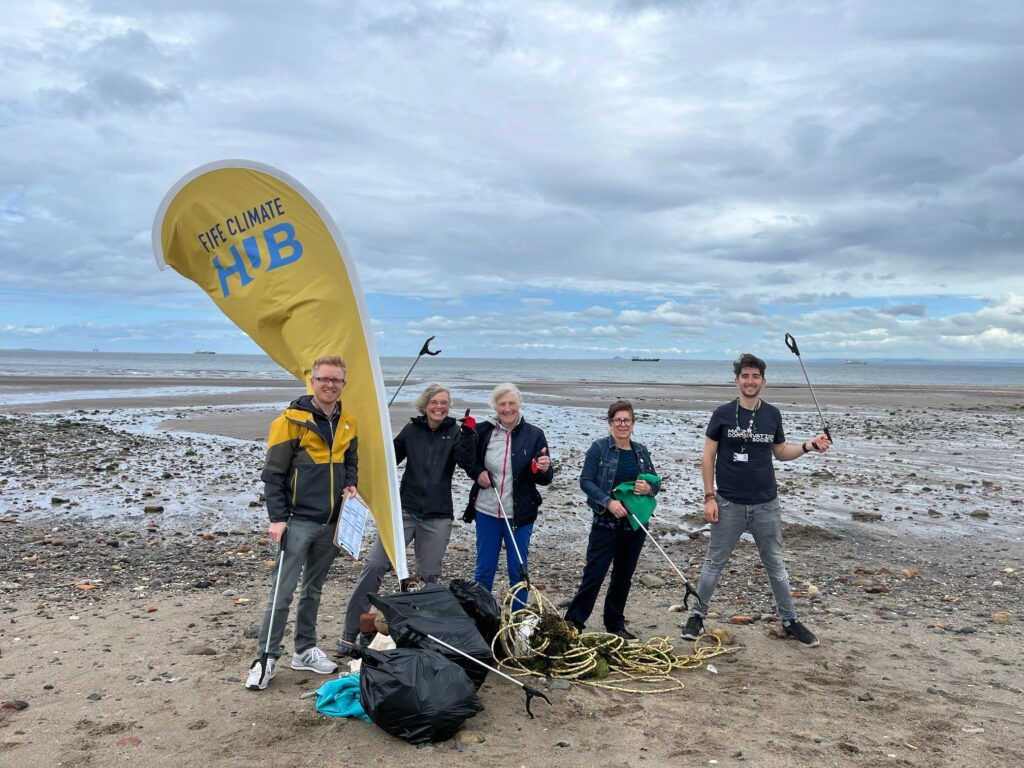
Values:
[(535, 640)]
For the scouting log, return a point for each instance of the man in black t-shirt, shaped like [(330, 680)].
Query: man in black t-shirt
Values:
[(741, 440)]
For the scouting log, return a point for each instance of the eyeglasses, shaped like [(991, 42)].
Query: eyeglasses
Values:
[(441, 403), (622, 422), (328, 380)]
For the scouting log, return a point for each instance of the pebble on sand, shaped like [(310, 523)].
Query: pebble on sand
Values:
[(867, 517), (724, 636)]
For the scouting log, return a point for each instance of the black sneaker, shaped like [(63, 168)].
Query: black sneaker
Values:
[(344, 647), (694, 627), (626, 635), (798, 631), (365, 638)]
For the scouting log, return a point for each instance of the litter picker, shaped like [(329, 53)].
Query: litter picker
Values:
[(791, 343), (424, 350), (689, 585), (265, 654), (529, 690), (511, 534)]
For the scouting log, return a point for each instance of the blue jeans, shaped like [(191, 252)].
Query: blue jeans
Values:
[(491, 533), (764, 521), (619, 549)]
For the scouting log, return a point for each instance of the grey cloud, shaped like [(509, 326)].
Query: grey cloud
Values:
[(874, 152), (131, 48), (636, 6), (913, 310), (434, 25), (807, 299), (808, 138), (111, 91)]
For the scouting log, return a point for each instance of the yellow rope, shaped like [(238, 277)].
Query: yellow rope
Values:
[(644, 667)]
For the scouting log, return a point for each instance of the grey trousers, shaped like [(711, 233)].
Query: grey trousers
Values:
[(309, 552), (764, 521), (429, 535)]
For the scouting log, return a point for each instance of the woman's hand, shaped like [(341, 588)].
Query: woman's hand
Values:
[(484, 480), (348, 491), (617, 508), (543, 462), (642, 488)]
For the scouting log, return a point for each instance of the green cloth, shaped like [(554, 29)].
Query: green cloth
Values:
[(642, 507)]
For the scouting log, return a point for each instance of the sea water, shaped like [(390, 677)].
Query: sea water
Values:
[(480, 371)]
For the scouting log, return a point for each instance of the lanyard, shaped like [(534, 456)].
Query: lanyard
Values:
[(749, 432)]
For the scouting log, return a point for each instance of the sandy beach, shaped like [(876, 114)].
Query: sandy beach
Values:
[(135, 571)]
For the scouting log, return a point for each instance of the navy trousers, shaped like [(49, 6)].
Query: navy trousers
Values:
[(607, 547)]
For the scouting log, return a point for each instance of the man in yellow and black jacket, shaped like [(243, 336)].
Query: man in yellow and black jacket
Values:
[(311, 466)]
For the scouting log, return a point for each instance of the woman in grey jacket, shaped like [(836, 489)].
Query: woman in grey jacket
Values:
[(511, 461)]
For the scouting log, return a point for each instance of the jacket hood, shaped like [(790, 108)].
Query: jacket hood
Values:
[(305, 403)]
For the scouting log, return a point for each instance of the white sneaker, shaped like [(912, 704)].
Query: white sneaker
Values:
[(257, 680), (314, 660)]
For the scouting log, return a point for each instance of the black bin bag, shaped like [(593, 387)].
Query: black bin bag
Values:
[(434, 610), (416, 694), (479, 604)]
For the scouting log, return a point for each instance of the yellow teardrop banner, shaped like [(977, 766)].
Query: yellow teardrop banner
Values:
[(270, 256)]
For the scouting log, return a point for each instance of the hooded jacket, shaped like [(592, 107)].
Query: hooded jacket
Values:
[(310, 458), (430, 457)]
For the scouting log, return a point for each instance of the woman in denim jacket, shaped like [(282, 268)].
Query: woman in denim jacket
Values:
[(611, 461)]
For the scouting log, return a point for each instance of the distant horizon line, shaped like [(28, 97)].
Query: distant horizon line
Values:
[(828, 359)]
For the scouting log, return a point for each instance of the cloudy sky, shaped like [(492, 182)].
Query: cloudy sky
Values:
[(556, 179)]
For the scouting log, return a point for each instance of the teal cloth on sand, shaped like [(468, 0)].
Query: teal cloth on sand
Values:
[(642, 507), (340, 698)]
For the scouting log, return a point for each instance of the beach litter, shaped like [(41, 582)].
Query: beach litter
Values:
[(558, 651)]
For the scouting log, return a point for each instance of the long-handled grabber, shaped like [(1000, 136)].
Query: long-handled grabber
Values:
[(530, 691), (424, 350), (265, 654), (523, 572), (689, 585), (791, 343)]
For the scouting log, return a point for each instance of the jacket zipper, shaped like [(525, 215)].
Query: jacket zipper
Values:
[(504, 464), (330, 468)]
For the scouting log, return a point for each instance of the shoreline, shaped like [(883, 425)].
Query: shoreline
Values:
[(108, 392)]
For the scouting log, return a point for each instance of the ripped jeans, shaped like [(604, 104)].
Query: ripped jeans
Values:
[(764, 521)]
